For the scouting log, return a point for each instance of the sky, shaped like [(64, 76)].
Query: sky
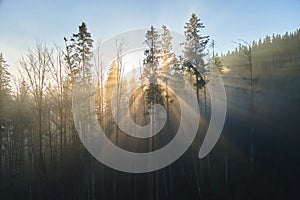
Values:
[(23, 23)]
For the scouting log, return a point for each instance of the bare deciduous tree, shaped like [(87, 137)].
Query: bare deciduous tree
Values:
[(36, 67)]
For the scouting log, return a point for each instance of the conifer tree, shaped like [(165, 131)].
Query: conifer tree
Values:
[(195, 43)]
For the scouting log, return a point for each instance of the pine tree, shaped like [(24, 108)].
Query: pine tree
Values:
[(153, 42), (83, 47), (194, 47), (78, 59), (167, 56), (151, 65), (195, 43), (79, 53), (153, 92)]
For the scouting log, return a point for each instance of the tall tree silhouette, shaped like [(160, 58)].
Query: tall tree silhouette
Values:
[(5, 102), (195, 43), (36, 67), (194, 47), (83, 44)]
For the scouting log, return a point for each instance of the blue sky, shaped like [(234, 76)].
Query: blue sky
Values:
[(24, 22)]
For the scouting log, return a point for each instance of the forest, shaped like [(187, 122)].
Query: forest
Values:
[(42, 156)]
